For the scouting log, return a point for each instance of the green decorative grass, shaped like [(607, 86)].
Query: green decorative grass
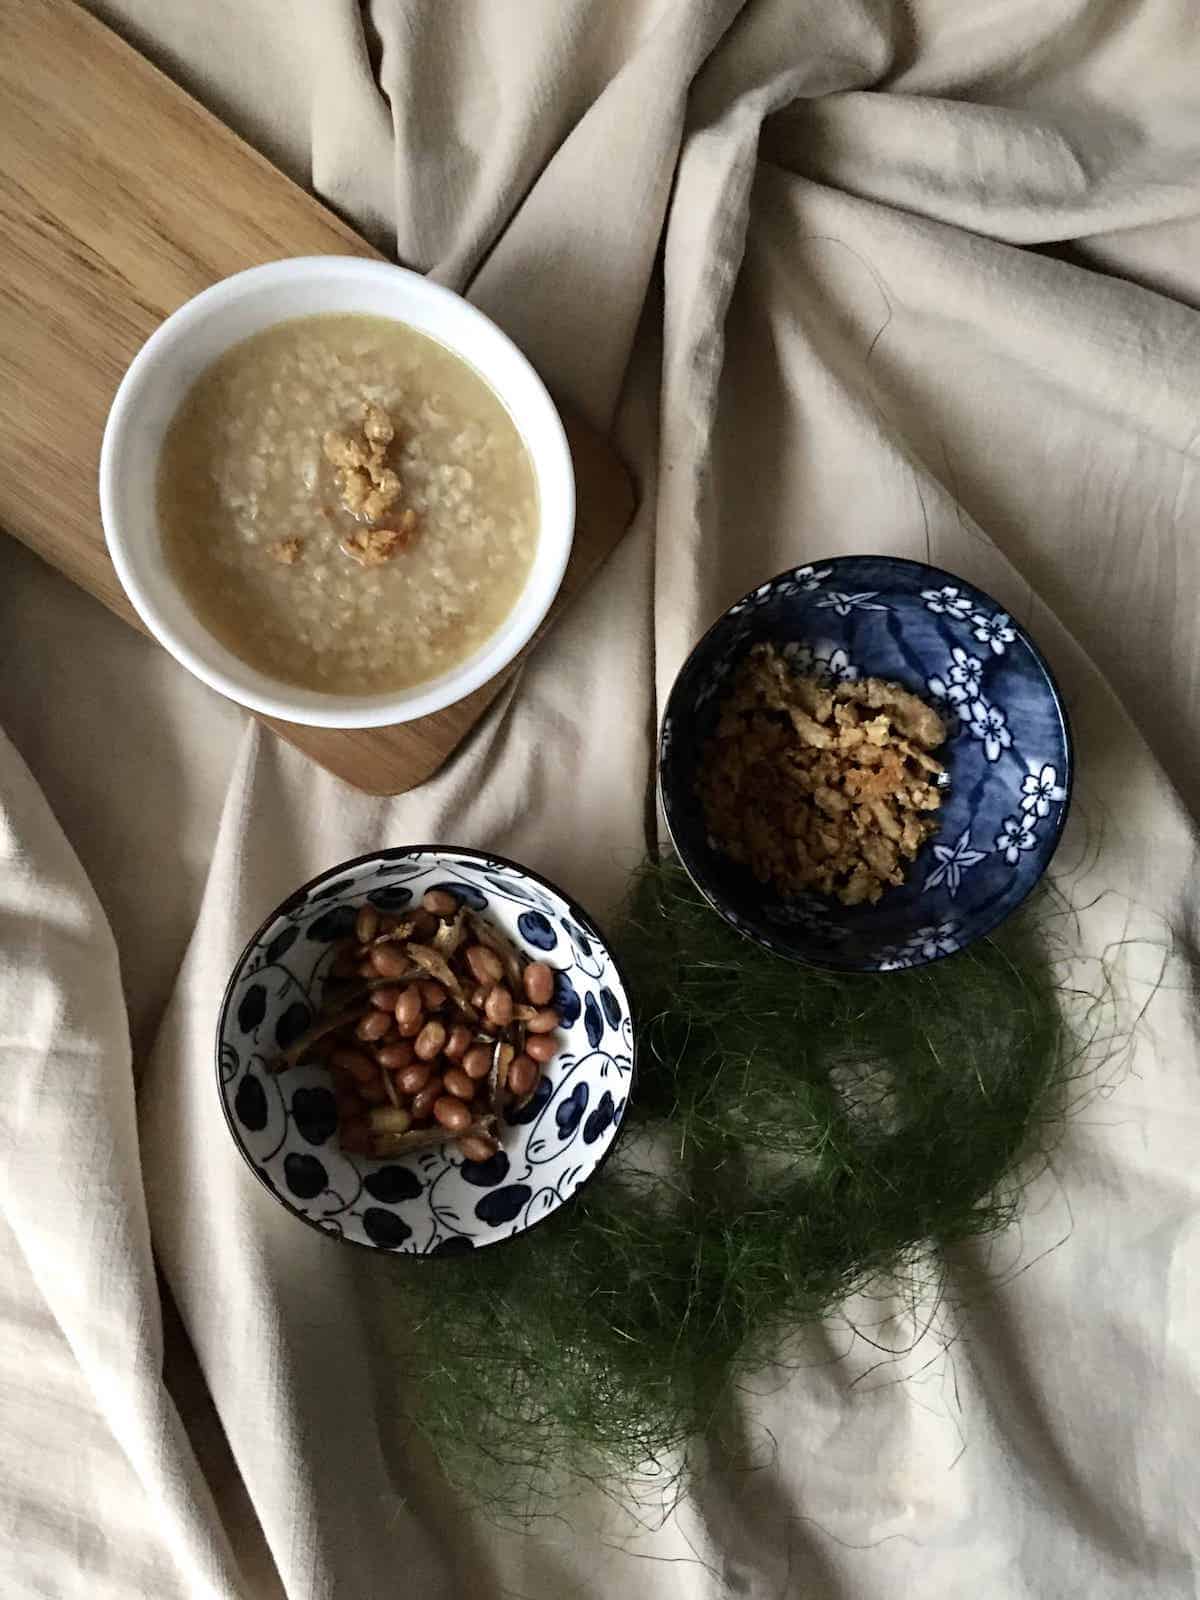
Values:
[(794, 1136)]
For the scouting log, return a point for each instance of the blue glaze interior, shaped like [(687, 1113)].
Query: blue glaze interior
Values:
[(1008, 755)]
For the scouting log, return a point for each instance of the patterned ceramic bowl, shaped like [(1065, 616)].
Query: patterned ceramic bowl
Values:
[(430, 1202), (1008, 757)]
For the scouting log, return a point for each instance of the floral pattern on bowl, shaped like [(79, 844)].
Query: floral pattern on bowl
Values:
[(433, 1201), (1008, 755)]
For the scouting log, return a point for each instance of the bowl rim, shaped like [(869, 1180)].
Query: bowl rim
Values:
[(390, 852), (383, 709), (1055, 836)]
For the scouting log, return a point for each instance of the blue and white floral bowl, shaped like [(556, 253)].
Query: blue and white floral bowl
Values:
[(1008, 756), (430, 1202)]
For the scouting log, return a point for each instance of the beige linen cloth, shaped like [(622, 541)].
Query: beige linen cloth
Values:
[(843, 275)]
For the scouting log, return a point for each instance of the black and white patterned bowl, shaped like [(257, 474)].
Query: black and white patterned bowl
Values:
[(431, 1202), (1008, 755)]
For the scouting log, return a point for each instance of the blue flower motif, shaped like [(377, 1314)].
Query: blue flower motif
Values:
[(809, 578), (988, 723), (951, 700), (996, 631), (385, 1228), (537, 930), (835, 667), (250, 1103), (332, 925), (843, 604), (315, 1114), (934, 939), (1016, 834), (282, 943), (486, 1174), (966, 670), (1040, 789), (292, 1023), (392, 1184), (566, 1001), (252, 1008), (502, 1205), (599, 1120), (948, 601), (569, 1111), (304, 1176), (952, 862), (592, 1021), (392, 897)]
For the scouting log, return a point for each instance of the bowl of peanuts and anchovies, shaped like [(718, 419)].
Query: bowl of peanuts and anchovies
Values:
[(425, 1050), (865, 764), (336, 492)]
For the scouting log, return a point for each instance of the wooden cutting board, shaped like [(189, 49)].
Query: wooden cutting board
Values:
[(120, 198)]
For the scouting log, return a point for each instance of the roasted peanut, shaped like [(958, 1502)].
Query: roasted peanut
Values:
[(360, 1067), (432, 994), (439, 902), (384, 999), (394, 1056), (409, 1012), (366, 924), (485, 964), (478, 1147), (539, 983), (458, 1042), (477, 1062), (413, 1078), (425, 1099), (389, 960), (373, 1093), (544, 1021), (390, 1119), (373, 1026), (542, 1047), (452, 1114), (429, 1041), (498, 1007), (523, 1074), (348, 1101), (344, 963), (354, 1135), (459, 1085)]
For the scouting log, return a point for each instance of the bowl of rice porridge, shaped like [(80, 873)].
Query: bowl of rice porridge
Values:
[(336, 492)]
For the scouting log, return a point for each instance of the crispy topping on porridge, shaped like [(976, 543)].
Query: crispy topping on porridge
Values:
[(377, 426), (371, 547), (810, 790), (286, 551), (369, 487)]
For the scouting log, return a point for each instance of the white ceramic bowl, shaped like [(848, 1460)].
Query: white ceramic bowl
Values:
[(194, 336)]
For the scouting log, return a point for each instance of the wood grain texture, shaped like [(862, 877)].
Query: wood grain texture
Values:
[(120, 198)]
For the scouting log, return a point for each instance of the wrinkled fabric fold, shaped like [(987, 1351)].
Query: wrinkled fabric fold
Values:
[(829, 275)]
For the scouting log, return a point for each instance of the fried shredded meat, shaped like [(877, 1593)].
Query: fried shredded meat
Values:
[(817, 786)]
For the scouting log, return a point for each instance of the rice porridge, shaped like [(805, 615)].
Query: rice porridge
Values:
[(346, 504)]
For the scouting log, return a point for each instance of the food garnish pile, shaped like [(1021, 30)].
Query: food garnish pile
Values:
[(368, 488), (433, 1024), (820, 786)]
